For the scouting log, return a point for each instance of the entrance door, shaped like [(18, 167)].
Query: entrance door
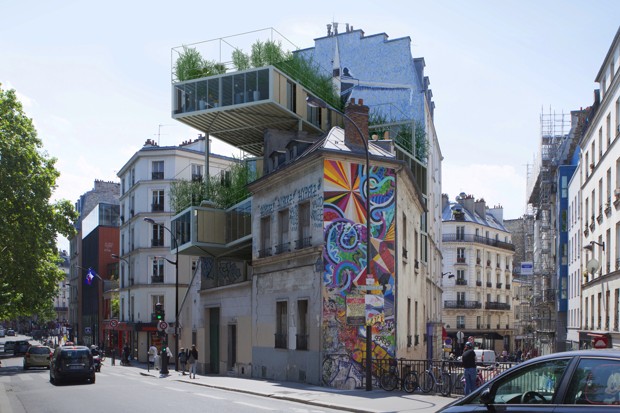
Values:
[(214, 340), (232, 347)]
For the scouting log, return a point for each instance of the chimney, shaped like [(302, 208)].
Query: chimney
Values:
[(358, 113), (498, 213), (467, 201), (481, 208), (445, 201)]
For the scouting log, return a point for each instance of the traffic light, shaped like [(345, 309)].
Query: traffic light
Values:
[(159, 312)]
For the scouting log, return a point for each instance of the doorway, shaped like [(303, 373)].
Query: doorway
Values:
[(232, 347), (214, 340)]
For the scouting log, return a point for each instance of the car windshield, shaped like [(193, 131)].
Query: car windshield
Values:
[(75, 356), (39, 350)]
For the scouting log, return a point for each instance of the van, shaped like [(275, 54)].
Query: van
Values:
[(72, 362), (485, 357)]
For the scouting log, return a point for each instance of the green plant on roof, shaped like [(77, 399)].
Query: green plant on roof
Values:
[(190, 65), (402, 134)]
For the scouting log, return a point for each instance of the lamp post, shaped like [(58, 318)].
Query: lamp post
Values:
[(320, 103), (176, 291)]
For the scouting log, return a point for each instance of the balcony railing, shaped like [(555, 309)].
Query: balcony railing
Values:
[(489, 284), (157, 242), (493, 305), (159, 207), (155, 279), (301, 341), (499, 285), (281, 340), (284, 247), (478, 239), (264, 252), (478, 283), (460, 260), (303, 243), (461, 304), (157, 175), (461, 281), (508, 286)]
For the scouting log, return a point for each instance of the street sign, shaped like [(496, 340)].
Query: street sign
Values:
[(448, 342), (114, 323), (460, 336), (162, 326)]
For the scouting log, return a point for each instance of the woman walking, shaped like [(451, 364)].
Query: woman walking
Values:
[(192, 360)]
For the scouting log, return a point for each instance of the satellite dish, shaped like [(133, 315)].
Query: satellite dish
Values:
[(593, 265)]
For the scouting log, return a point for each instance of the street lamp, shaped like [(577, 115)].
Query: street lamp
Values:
[(176, 291), (316, 102)]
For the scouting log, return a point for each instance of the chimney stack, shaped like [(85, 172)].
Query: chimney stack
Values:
[(481, 208), (358, 113)]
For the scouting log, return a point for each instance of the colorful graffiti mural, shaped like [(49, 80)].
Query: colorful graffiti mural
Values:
[(345, 267)]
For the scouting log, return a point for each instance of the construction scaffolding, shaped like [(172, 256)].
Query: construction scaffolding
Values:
[(539, 312)]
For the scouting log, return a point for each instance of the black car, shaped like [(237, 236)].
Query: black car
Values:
[(574, 381), (72, 363)]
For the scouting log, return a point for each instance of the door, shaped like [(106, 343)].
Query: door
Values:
[(214, 340), (232, 347)]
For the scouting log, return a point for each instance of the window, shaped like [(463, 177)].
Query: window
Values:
[(460, 277), (157, 204), (196, 173), (265, 237), (283, 228), (404, 239), (460, 255), (132, 176), (314, 115), (281, 324), (460, 298), (158, 170), (302, 325), (158, 270), (158, 236), (460, 321), (304, 237), (409, 341), (460, 233), (595, 382), (291, 96)]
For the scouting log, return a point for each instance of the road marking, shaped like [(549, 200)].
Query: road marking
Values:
[(209, 396), (174, 388), (25, 377), (255, 406)]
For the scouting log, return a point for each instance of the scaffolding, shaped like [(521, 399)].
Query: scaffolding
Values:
[(540, 309)]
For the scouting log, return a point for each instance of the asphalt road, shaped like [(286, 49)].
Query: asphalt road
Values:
[(119, 390)]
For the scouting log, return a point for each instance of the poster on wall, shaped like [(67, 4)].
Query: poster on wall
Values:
[(356, 310), (374, 308)]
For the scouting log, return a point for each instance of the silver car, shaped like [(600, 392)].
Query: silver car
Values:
[(37, 356)]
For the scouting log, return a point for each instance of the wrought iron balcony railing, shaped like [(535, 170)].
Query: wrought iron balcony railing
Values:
[(462, 304)]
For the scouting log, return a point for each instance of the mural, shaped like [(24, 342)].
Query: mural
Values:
[(345, 278)]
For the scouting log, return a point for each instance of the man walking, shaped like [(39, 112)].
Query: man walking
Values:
[(469, 366)]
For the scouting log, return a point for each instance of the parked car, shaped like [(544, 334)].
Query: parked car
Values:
[(10, 332), (18, 347), (575, 381), (485, 357), (2, 332), (72, 363), (38, 356)]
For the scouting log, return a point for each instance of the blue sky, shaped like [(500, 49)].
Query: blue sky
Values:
[(95, 77)]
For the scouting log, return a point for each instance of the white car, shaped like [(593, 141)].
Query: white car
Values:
[(2, 332)]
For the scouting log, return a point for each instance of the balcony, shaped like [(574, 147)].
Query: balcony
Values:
[(494, 305), (303, 243), (479, 240), (489, 284), (282, 248), (237, 107), (498, 285), (157, 242), (478, 283), (157, 176), (215, 231), (462, 304), (159, 207), (264, 252), (157, 279), (461, 281), (508, 286), (460, 260)]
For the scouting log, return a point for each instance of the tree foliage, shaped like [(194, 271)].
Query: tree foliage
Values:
[(29, 222)]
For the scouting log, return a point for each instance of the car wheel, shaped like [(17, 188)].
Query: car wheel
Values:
[(92, 379)]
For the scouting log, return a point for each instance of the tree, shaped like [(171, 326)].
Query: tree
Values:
[(29, 223)]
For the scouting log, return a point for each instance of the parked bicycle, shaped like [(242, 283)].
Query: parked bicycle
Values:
[(391, 379), (483, 374), (431, 380)]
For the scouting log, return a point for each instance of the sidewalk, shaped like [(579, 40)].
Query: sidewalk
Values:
[(375, 401)]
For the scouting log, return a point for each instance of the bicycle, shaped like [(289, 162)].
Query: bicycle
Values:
[(430, 381), (391, 379), (459, 383)]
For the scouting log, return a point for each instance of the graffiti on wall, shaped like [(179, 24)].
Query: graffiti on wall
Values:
[(345, 266)]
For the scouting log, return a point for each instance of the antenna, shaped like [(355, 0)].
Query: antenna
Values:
[(159, 131)]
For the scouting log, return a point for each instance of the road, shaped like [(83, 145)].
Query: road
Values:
[(134, 389)]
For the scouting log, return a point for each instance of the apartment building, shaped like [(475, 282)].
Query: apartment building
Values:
[(477, 278), (599, 172), (147, 258)]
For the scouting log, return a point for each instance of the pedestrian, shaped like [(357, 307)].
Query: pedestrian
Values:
[(113, 355), (469, 367), (168, 356), (152, 355), (193, 359), (182, 357)]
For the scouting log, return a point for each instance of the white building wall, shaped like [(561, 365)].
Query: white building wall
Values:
[(574, 260)]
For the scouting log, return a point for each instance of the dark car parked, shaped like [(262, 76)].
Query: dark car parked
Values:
[(574, 381), (72, 363), (17, 347)]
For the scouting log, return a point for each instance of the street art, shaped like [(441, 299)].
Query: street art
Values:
[(345, 267)]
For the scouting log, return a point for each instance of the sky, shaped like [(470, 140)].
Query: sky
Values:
[(95, 77)]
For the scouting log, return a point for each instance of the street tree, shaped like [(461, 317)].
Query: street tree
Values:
[(29, 222)]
